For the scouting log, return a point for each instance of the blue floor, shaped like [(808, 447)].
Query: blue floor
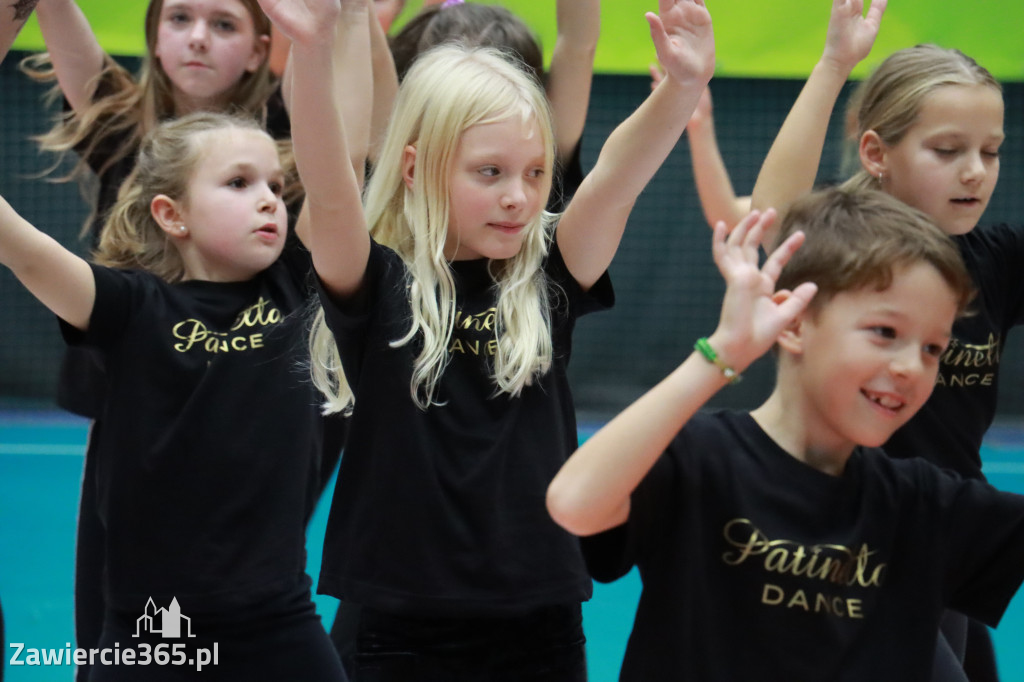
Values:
[(40, 468)]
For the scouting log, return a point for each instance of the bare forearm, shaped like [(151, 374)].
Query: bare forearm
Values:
[(74, 50), (14, 15), (572, 66), (385, 86), (792, 163), (354, 80), (718, 199), (591, 493)]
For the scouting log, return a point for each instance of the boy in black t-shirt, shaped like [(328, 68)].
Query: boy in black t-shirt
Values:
[(782, 544)]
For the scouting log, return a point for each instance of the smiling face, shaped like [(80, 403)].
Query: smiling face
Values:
[(205, 47), (867, 360), (235, 221), (498, 186), (947, 164)]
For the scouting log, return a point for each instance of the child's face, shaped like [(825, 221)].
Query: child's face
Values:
[(868, 359), (205, 47), (236, 221), (497, 188), (947, 165)]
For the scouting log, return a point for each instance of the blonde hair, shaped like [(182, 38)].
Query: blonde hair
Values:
[(130, 108), (131, 237), (890, 100), (448, 90)]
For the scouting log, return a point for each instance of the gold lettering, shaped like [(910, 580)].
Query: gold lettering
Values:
[(456, 347), (259, 314), (256, 341), (798, 599), (772, 595), (829, 563)]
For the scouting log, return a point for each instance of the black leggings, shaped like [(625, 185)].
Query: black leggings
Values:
[(276, 648), (545, 645)]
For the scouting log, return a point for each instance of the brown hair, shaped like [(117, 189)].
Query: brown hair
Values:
[(473, 25), (128, 108), (858, 238)]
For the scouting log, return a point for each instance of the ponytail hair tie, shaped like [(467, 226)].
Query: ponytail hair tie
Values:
[(452, 3)]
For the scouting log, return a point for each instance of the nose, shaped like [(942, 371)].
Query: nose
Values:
[(515, 194), (974, 169), (268, 200), (199, 35), (907, 362)]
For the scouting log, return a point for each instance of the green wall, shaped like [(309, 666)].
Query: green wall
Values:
[(779, 39)]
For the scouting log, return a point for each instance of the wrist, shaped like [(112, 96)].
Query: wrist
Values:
[(709, 351)]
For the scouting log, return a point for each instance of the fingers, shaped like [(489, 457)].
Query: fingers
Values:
[(781, 255), (797, 301), (876, 11), (658, 34)]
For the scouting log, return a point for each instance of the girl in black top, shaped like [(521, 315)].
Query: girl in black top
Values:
[(453, 314), (212, 436)]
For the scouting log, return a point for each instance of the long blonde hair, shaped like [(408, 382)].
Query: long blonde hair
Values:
[(890, 99), (130, 108), (448, 90), (131, 237)]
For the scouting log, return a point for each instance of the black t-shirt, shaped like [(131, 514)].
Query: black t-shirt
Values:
[(756, 566), (80, 386), (950, 427), (566, 181), (441, 512), (211, 437)]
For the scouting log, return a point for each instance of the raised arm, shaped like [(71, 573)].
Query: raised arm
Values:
[(591, 228), (572, 70), (339, 240), (62, 281), (792, 163), (385, 85), (13, 14), (718, 199), (74, 51), (592, 491)]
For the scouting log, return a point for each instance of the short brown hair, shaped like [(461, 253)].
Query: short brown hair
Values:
[(857, 238)]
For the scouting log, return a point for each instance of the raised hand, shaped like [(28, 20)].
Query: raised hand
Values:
[(702, 113), (753, 313), (851, 33), (305, 21), (683, 39)]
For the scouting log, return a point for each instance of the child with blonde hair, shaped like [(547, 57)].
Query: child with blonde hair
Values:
[(449, 302)]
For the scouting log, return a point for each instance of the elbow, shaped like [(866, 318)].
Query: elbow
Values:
[(568, 509)]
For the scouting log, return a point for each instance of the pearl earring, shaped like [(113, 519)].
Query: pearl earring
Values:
[(181, 228)]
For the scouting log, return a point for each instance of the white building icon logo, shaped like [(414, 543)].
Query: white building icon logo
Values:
[(165, 622)]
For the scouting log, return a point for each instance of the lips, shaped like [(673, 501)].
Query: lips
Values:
[(888, 402), (507, 227), (267, 232)]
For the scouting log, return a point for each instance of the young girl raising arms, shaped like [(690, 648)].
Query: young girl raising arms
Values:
[(212, 439), (453, 315)]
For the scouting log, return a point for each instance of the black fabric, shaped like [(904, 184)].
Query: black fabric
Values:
[(210, 456), (757, 566), (90, 603), (81, 383), (545, 645), (566, 180), (441, 512), (290, 645), (950, 427)]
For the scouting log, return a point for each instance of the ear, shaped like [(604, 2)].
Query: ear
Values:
[(260, 51), (167, 214), (408, 164), (872, 153), (791, 337)]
